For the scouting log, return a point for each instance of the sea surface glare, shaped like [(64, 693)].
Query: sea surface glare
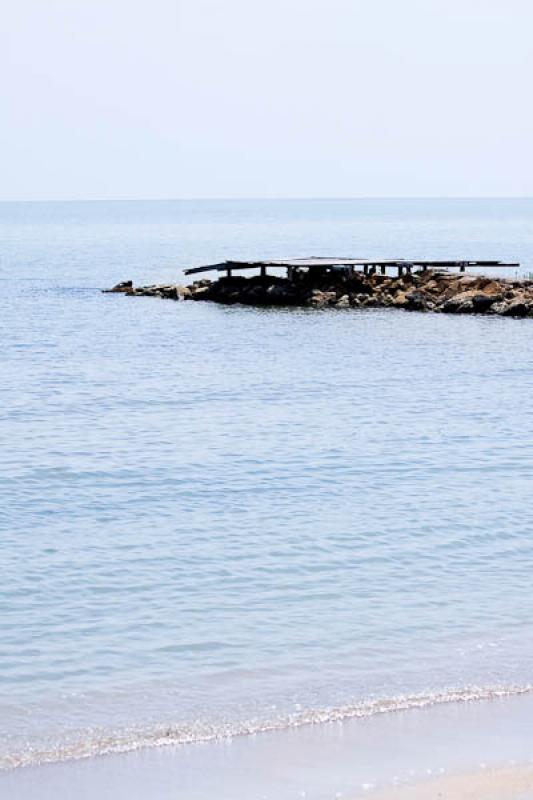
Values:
[(223, 519)]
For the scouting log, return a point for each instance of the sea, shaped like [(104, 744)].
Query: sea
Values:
[(217, 521)]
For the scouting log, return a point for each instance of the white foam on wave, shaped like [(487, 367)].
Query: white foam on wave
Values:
[(96, 742)]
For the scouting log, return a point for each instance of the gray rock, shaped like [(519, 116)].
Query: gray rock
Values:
[(415, 300), (278, 292), (200, 292), (500, 307), (518, 307), (343, 302), (321, 299), (458, 304), (125, 286), (482, 302)]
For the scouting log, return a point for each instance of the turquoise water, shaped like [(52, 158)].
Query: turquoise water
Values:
[(216, 520)]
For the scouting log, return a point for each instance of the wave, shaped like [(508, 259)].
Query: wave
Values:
[(97, 743)]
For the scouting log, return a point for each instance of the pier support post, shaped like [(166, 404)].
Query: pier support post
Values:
[(383, 269)]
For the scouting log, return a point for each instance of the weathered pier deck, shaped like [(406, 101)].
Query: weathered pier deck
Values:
[(350, 265)]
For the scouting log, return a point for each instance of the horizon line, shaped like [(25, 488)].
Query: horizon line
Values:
[(267, 198)]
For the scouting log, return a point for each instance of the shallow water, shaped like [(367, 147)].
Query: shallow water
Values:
[(369, 758), (218, 519)]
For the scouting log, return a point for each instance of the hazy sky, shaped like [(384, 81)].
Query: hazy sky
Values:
[(265, 98)]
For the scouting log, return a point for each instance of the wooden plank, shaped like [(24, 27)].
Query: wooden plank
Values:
[(365, 263)]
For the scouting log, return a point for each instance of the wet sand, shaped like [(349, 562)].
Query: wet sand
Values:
[(373, 758)]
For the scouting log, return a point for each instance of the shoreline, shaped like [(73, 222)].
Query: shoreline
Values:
[(384, 757), (425, 291), (97, 743)]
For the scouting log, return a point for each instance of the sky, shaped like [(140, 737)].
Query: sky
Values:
[(265, 98)]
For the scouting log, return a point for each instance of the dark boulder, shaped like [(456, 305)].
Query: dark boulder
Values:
[(518, 307), (415, 300), (125, 286)]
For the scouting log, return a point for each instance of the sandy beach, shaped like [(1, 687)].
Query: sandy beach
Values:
[(512, 783), (459, 751)]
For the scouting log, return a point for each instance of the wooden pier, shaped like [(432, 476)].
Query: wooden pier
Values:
[(367, 266)]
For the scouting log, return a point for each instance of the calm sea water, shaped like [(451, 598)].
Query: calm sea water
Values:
[(218, 519)]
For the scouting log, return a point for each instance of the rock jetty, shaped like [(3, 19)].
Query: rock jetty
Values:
[(428, 290)]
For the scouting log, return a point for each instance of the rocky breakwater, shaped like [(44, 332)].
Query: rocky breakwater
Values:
[(448, 293)]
